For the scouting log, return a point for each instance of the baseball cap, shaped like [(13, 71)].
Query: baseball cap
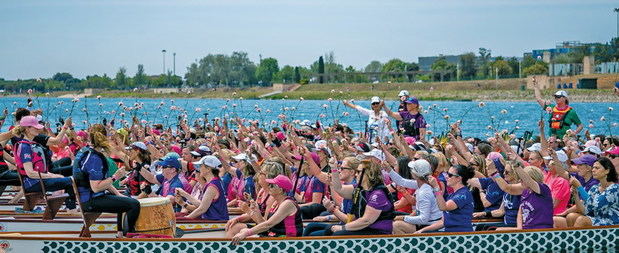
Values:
[(561, 155), (281, 181), (593, 150), (420, 168), (376, 153), (561, 93), (363, 147), (411, 100), (201, 151), (170, 162), (375, 99), (139, 145), (403, 93), (241, 157), (30, 121), (535, 147), (210, 161), (585, 159)]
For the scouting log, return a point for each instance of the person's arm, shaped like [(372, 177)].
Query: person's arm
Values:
[(369, 217), (399, 180), (63, 132), (518, 223), (512, 189), (145, 172), (538, 95), (440, 201), (424, 206), (435, 226), (210, 194), (345, 191), (6, 135), (527, 180), (394, 115), (285, 209), (389, 158)]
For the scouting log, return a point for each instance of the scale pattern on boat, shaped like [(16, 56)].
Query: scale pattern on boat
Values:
[(507, 242)]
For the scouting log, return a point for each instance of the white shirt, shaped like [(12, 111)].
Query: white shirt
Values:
[(376, 123)]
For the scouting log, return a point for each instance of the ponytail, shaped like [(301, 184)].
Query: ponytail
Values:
[(98, 137)]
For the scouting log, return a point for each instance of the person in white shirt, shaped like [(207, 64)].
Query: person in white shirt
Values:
[(426, 208), (377, 119)]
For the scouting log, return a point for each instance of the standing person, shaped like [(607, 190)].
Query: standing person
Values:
[(377, 118), (97, 194), (32, 163), (458, 208), (412, 123), (403, 95), (563, 116)]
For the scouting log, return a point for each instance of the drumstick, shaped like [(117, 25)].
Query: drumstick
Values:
[(180, 232)]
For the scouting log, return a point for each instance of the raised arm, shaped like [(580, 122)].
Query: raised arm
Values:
[(538, 94)]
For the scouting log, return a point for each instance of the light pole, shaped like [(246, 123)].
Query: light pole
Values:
[(174, 63), (163, 53), (617, 11)]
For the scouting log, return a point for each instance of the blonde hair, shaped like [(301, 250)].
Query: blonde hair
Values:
[(98, 137), (481, 164), (19, 130), (272, 169), (442, 160), (372, 174), (353, 162), (535, 173)]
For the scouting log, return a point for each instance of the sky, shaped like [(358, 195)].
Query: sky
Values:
[(86, 37)]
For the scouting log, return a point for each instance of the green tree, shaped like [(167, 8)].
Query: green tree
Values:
[(266, 71), (514, 64), (501, 66), (394, 65), (321, 69), (528, 61), (448, 69), (539, 68), (121, 81), (140, 79), (467, 66), (220, 69), (297, 75), (97, 82), (484, 69), (374, 66), (286, 74)]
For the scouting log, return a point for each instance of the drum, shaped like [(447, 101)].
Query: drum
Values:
[(156, 217)]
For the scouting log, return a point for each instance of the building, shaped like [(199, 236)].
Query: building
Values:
[(561, 48)]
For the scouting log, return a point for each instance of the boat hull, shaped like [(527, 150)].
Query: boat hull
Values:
[(513, 241)]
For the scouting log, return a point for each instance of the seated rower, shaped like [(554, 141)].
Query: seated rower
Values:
[(169, 180), (211, 205), (97, 194), (284, 219)]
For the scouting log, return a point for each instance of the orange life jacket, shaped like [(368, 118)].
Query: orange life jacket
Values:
[(557, 118)]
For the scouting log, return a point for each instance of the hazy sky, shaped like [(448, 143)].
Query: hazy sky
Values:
[(40, 38)]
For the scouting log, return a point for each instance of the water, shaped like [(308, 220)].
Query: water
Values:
[(476, 120)]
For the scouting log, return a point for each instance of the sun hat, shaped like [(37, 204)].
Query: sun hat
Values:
[(375, 99), (535, 147), (30, 121), (593, 149), (561, 93), (281, 181), (241, 157), (403, 93)]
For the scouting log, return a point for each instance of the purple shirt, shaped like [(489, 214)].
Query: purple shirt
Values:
[(412, 129), (588, 184), (378, 200), (460, 219), (536, 208)]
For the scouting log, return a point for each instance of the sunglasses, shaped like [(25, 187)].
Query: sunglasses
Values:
[(346, 168), (452, 175), (558, 96)]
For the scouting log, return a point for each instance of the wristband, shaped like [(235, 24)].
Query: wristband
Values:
[(437, 193), (488, 214), (496, 175), (333, 170)]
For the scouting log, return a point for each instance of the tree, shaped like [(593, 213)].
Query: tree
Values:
[(394, 65), (286, 74), (297, 75), (220, 69), (501, 66), (121, 78), (484, 69), (448, 69), (321, 69), (267, 70), (467, 66), (539, 68), (62, 77), (97, 82), (528, 61), (140, 78), (374, 66)]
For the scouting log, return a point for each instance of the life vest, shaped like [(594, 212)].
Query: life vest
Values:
[(359, 203), (557, 119), (37, 156), (80, 174)]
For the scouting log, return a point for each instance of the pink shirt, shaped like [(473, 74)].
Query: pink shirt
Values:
[(560, 189)]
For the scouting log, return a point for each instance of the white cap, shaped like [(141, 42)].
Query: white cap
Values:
[(138, 144), (560, 154), (377, 153), (210, 161), (561, 93), (306, 122), (535, 147), (375, 99), (403, 93), (320, 144), (420, 168), (593, 149), (241, 157), (204, 148)]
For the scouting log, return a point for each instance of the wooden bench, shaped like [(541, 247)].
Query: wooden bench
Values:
[(88, 217), (34, 198)]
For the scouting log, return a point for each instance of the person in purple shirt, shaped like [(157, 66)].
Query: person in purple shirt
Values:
[(458, 208), (372, 204), (212, 203), (412, 123), (584, 165), (536, 199)]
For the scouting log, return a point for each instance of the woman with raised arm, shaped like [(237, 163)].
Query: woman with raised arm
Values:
[(412, 122), (376, 123)]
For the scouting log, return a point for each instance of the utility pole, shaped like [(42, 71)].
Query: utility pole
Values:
[(163, 53), (174, 63), (520, 69)]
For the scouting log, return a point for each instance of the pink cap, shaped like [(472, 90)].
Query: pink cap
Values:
[(614, 151), (82, 134), (156, 132), (410, 140), (316, 158), (280, 136), (281, 181), (30, 121), (176, 149)]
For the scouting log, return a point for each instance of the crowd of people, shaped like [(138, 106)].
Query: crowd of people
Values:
[(390, 179)]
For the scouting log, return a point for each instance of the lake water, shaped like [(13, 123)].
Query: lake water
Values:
[(476, 120)]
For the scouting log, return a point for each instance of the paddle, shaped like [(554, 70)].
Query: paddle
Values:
[(296, 181), (179, 232)]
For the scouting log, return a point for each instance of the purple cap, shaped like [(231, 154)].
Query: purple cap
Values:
[(411, 100), (585, 159)]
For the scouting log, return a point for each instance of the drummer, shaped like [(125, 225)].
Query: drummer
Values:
[(212, 205), (169, 180), (98, 194)]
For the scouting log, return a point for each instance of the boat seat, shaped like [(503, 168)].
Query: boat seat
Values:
[(34, 198), (88, 217)]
